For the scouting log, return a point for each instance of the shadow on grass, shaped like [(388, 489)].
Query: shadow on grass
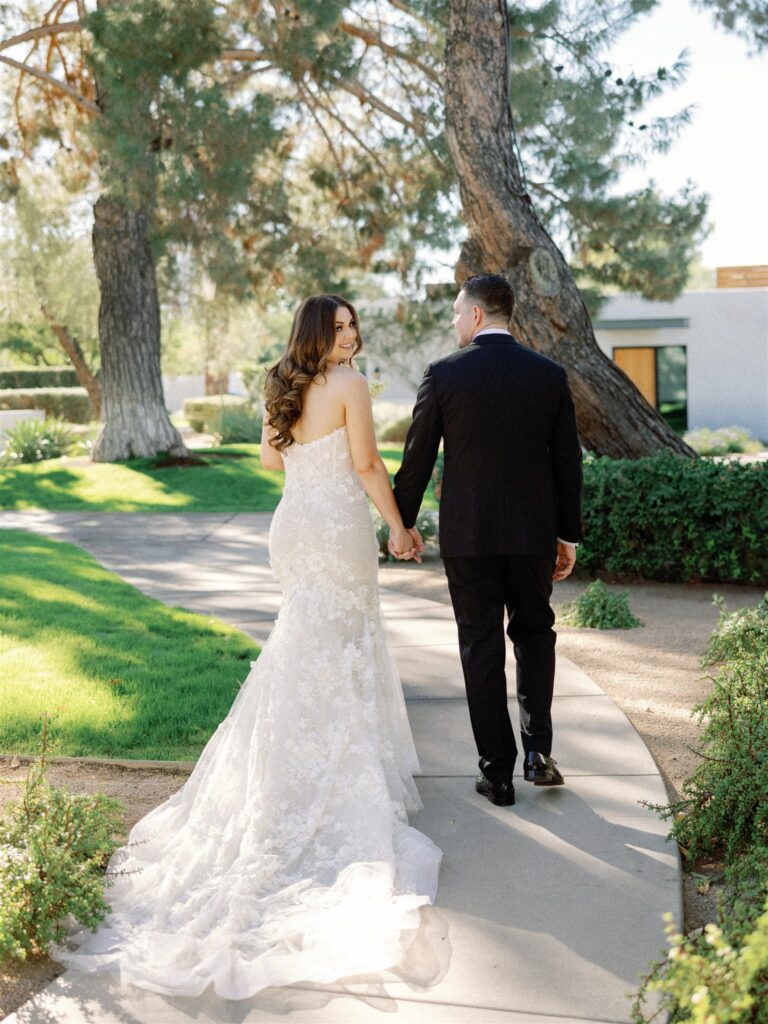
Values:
[(122, 674)]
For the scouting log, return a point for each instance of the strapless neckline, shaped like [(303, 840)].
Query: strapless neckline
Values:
[(323, 437)]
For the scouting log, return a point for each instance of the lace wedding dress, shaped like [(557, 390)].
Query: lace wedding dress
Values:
[(287, 855)]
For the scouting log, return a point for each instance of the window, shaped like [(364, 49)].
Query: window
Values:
[(660, 375)]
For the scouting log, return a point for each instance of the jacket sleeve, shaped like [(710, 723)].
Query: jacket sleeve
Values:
[(420, 452), (565, 452)]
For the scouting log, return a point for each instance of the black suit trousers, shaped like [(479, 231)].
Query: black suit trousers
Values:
[(482, 588)]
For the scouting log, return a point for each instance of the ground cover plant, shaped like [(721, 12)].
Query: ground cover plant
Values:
[(122, 675), (54, 846), (228, 478), (599, 608), (720, 975)]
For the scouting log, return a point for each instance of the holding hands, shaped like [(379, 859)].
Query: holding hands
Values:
[(405, 544)]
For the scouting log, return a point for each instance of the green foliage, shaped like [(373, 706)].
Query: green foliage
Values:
[(721, 976), (710, 980), (599, 608), (670, 518), (54, 847), (722, 441), (747, 18), (239, 426), (396, 432), (71, 404), (29, 343), (204, 414), (39, 377), (426, 524), (36, 440)]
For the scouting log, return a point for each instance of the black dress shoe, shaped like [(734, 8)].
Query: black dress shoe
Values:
[(541, 770), (500, 793)]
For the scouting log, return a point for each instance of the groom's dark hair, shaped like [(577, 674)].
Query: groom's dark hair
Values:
[(492, 292)]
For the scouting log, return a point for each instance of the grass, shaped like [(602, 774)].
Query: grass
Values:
[(122, 675), (231, 480)]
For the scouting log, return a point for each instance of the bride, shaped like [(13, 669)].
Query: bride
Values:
[(287, 855)]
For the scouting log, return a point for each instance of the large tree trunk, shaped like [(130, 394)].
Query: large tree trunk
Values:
[(77, 357), (136, 422), (506, 237)]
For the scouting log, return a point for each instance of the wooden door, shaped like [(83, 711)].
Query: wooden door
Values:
[(639, 364)]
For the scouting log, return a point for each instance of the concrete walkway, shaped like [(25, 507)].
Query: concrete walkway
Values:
[(547, 912)]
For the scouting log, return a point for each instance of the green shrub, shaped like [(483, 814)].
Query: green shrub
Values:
[(721, 975), (722, 441), (71, 404), (395, 433), (710, 980), (598, 608), (670, 518), (39, 377), (54, 847), (36, 440), (204, 414), (426, 524), (239, 426)]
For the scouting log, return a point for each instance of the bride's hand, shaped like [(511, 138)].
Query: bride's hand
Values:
[(401, 544)]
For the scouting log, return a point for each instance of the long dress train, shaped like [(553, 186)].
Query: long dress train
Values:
[(287, 855)]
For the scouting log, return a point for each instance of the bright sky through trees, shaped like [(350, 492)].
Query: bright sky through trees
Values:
[(725, 148)]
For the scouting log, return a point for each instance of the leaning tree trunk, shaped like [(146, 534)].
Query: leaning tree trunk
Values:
[(135, 420), (506, 237), (76, 356)]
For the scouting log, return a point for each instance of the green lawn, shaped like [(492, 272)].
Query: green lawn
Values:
[(231, 480), (121, 674)]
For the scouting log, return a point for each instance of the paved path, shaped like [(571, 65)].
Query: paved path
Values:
[(546, 912)]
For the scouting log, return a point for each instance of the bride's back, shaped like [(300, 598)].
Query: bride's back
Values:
[(323, 408)]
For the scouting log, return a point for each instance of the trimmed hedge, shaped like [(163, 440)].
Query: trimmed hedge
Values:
[(204, 414), (71, 404), (39, 377), (670, 518)]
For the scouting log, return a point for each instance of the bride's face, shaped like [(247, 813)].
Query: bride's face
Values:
[(346, 337)]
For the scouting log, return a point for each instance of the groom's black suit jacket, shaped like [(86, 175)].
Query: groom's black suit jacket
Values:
[(512, 479)]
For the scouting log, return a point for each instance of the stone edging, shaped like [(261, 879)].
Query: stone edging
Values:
[(6, 761)]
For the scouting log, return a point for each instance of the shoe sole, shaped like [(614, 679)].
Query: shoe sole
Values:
[(493, 800), (538, 781)]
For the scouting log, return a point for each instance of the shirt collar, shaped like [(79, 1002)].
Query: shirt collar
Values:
[(491, 330)]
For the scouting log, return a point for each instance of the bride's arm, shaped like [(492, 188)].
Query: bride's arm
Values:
[(270, 457), (365, 455)]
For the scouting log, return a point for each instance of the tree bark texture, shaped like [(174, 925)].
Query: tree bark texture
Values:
[(506, 237), (76, 356), (136, 422)]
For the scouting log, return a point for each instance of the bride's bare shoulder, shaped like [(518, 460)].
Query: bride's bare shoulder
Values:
[(346, 378)]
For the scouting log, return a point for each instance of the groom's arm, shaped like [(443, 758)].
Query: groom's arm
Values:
[(421, 446), (565, 452)]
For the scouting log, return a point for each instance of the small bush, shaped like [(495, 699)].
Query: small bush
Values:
[(204, 414), (36, 440), (71, 404), (721, 975), (722, 441), (239, 425), (711, 980), (599, 608), (39, 377), (53, 849), (426, 524), (395, 433), (670, 518)]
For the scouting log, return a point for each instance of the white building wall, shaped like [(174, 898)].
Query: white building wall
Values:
[(727, 349)]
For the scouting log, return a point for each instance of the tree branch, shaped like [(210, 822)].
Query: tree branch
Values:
[(42, 30), (372, 39), (81, 101)]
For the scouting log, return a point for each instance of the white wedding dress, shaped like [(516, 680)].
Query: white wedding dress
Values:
[(287, 855)]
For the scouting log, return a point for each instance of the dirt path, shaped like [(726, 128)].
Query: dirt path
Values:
[(652, 673)]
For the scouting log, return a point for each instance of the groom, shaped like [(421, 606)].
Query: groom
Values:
[(510, 519)]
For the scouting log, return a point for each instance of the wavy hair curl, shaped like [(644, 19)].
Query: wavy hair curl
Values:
[(311, 341)]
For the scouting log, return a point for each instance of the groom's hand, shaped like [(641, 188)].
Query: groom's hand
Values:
[(421, 547), (402, 545), (566, 559)]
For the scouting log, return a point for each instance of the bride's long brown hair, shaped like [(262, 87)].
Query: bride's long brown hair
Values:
[(312, 338)]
